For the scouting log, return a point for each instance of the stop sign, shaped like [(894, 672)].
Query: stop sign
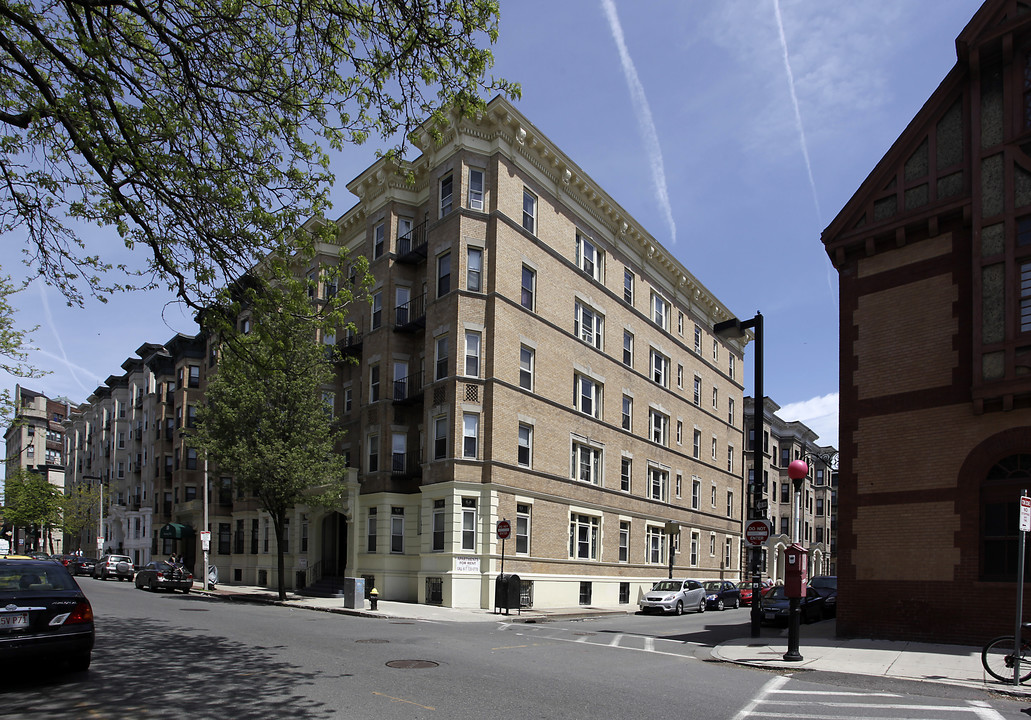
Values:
[(504, 529), (757, 532)]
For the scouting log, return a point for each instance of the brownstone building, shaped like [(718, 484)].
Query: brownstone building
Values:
[(934, 257)]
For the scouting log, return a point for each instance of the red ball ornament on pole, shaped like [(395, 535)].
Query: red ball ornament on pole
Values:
[(798, 469)]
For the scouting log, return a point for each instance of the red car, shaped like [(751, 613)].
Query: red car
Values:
[(746, 587)]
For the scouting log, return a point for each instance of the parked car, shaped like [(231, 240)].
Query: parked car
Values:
[(162, 575), (776, 606), (44, 615), (82, 565), (674, 596), (721, 593), (827, 585), (64, 559), (746, 590), (119, 566), (37, 555)]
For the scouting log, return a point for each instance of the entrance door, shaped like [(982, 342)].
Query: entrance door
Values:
[(334, 545)]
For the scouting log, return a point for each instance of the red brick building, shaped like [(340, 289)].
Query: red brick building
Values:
[(934, 257)]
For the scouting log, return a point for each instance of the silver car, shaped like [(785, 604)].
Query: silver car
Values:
[(674, 596)]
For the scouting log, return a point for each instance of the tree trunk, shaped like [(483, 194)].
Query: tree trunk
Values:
[(277, 524)]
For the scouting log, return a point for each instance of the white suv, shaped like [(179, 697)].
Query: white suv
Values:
[(674, 596), (119, 566)]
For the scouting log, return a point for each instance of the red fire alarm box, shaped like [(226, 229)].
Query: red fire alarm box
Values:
[(795, 571)]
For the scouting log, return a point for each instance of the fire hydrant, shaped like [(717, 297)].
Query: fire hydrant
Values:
[(373, 599)]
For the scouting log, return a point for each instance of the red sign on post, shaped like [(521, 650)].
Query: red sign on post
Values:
[(1025, 513), (504, 529), (757, 532)]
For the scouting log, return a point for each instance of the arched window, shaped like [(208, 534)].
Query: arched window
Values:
[(1000, 501)]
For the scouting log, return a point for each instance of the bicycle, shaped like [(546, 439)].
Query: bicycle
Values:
[(997, 657)]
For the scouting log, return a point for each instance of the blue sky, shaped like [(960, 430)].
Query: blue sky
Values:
[(733, 131)]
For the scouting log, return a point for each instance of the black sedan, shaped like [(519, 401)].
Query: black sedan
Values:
[(827, 585), (82, 565), (44, 616), (721, 593), (775, 606), (161, 575)]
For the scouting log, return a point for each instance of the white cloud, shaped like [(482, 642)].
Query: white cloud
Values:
[(820, 414)]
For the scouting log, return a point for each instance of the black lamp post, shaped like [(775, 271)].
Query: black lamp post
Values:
[(735, 328)]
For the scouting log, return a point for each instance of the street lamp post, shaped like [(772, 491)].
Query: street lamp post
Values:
[(797, 471), (735, 328), (205, 539)]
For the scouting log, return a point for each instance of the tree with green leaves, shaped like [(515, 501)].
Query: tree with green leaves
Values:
[(14, 342), (33, 503), (202, 132), (266, 420), (80, 509)]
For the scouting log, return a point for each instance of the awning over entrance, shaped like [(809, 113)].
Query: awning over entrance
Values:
[(175, 531)]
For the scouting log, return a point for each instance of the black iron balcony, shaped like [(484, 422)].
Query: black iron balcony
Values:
[(411, 247), (408, 390), (405, 465), (411, 316), (350, 345)]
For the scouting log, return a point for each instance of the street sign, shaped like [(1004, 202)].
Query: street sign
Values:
[(205, 539), (757, 532), (1025, 513), (504, 529), (762, 505)]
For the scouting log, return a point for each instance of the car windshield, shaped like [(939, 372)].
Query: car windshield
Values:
[(22, 577), (714, 585), (825, 583), (667, 586), (746, 585), (119, 558), (777, 593)]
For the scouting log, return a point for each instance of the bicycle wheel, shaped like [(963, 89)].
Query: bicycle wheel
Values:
[(997, 658)]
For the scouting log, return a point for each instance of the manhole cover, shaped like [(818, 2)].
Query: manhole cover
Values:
[(411, 664), (372, 640)]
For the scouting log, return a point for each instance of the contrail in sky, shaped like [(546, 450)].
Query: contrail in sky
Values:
[(794, 102), (63, 357), (644, 117)]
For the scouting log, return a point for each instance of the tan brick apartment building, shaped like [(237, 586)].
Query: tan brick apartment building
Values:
[(934, 256), (529, 353)]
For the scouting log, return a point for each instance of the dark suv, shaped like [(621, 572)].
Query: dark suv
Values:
[(119, 566)]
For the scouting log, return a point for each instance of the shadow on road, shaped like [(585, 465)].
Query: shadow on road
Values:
[(189, 674)]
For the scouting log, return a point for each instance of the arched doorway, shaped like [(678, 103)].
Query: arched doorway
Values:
[(999, 531), (334, 545)]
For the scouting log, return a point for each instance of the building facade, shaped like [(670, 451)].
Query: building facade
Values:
[(809, 517), (527, 353), (35, 443), (934, 256)]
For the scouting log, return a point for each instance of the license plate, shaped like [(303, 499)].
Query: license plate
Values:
[(14, 621), (771, 615)]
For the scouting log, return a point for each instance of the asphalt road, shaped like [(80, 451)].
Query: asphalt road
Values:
[(174, 655)]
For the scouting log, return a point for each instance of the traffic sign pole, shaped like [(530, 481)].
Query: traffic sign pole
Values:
[(1025, 525), (503, 530)]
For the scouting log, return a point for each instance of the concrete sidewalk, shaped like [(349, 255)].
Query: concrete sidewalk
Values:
[(926, 662)]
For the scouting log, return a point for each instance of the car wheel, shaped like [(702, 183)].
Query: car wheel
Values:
[(719, 604), (80, 663), (153, 585), (701, 605), (680, 608), (186, 591)]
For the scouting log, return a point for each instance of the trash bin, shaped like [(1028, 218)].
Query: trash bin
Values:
[(506, 593), (354, 593)]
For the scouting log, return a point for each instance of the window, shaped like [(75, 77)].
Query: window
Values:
[(587, 395), (628, 285), (587, 324), (529, 285), (373, 453), (440, 437), (191, 461), (714, 447), (529, 211), (658, 484), (378, 234), (624, 541), (819, 507), (785, 492), (628, 411), (398, 451), (522, 529), (626, 465), (474, 270), (370, 530), (660, 368), (194, 382), (403, 306), (785, 525), (444, 274), (588, 257), (715, 398), (397, 529), (730, 410), (785, 456), (475, 189), (728, 547), (715, 350), (730, 503), (628, 348), (659, 425), (470, 435), (438, 518), (695, 542), (680, 432), (404, 230), (697, 340), (526, 358), (730, 458), (583, 536), (696, 444), (660, 311), (696, 493), (377, 310), (468, 524), (731, 369), (441, 352), (472, 354), (680, 376), (525, 444), (655, 537), (586, 463), (680, 484), (697, 391), (373, 383), (446, 194)]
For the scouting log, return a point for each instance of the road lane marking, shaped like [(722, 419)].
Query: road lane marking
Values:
[(614, 642), (771, 687), (402, 700)]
